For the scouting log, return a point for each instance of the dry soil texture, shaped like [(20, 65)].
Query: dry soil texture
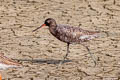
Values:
[(40, 52)]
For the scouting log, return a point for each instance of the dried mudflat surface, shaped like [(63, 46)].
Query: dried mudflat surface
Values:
[(40, 52)]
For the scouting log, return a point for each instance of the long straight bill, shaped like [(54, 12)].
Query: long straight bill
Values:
[(39, 27)]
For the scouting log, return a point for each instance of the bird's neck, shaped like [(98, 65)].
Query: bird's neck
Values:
[(52, 29)]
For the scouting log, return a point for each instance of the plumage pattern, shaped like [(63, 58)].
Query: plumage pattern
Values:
[(71, 34)]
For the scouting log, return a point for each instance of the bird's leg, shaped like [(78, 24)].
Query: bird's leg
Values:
[(68, 51), (66, 54), (92, 56)]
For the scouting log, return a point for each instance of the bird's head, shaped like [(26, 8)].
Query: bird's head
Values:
[(48, 22)]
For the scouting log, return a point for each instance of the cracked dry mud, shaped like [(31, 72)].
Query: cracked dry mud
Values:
[(40, 52)]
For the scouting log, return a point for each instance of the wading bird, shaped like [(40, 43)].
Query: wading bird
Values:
[(6, 63), (69, 35)]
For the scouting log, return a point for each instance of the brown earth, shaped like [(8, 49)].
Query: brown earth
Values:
[(40, 52)]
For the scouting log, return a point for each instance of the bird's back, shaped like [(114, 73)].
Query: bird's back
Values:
[(71, 34)]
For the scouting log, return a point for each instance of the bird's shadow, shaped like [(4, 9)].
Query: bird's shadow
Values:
[(41, 61)]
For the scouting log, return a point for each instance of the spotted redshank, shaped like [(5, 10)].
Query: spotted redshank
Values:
[(69, 35)]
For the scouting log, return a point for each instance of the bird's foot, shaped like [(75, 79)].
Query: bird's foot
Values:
[(66, 58), (95, 62), (60, 64)]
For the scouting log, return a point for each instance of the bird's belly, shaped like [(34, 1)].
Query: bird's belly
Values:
[(67, 39), (63, 39), (71, 40)]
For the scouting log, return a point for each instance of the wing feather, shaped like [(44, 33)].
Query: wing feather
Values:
[(71, 34)]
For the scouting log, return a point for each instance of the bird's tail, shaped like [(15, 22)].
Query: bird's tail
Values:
[(104, 34)]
